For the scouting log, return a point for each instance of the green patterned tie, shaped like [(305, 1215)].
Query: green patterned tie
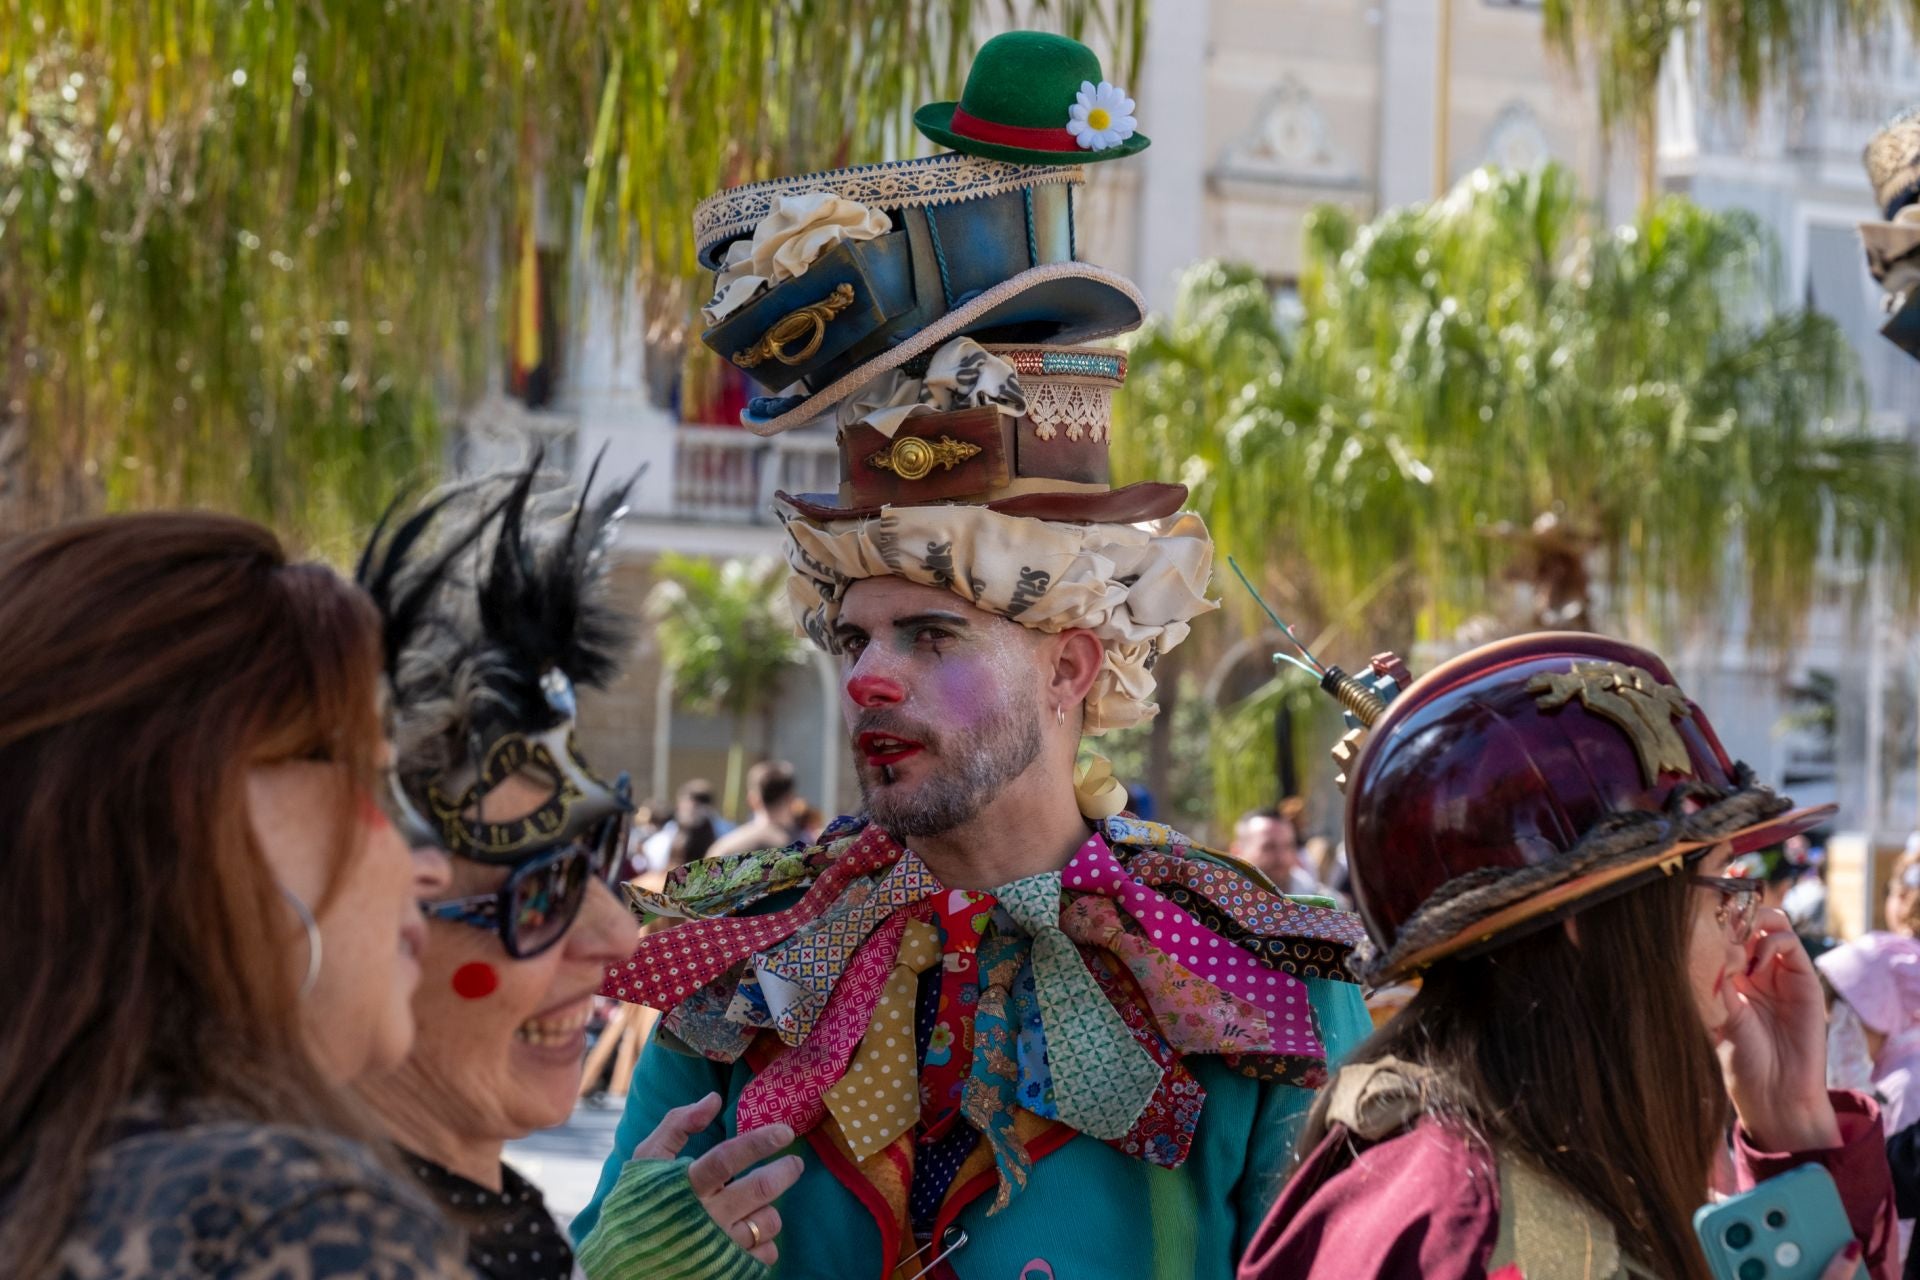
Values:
[(1102, 1078)]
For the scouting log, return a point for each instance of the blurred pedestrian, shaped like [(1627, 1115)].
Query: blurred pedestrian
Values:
[(211, 916), (645, 822), (1269, 841), (810, 820), (1900, 909), (691, 843), (692, 805), (770, 796), (1874, 1040), (1780, 872)]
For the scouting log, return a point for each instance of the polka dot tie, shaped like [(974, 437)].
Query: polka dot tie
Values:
[(807, 965), (1193, 1014), (878, 1099), (668, 967), (1281, 996)]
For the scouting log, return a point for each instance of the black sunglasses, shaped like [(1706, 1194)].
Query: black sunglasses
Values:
[(540, 900)]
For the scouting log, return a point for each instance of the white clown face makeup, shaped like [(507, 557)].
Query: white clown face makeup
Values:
[(943, 702)]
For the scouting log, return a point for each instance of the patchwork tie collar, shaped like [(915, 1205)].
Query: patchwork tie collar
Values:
[(1095, 982)]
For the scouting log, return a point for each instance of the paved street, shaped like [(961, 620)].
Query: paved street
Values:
[(565, 1162)]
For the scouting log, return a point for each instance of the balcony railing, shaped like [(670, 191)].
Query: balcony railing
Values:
[(728, 475)]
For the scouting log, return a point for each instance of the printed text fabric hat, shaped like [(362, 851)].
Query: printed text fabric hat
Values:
[(1892, 158), (1020, 103)]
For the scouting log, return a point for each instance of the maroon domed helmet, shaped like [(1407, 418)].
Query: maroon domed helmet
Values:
[(1526, 780)]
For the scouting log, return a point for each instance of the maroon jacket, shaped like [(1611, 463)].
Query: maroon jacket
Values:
[(1424, 1204)]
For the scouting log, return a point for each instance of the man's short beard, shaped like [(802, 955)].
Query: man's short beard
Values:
[(974, 767)]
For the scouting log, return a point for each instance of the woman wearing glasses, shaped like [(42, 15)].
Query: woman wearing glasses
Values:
[(208, 917), (1541, 829), (487, 643)]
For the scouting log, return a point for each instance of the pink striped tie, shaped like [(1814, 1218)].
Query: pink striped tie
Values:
[(793, 1088)]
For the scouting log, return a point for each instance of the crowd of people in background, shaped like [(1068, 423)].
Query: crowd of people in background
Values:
[(697, 828)]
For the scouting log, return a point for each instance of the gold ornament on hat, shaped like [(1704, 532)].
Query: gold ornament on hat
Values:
[(912, 458), (1632, 699), (809, 322)]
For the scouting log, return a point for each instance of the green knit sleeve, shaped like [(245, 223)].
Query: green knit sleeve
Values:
[(653, 1227)]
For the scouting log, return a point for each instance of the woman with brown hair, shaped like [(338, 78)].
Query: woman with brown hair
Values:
[(211, 919), (1541, 829)]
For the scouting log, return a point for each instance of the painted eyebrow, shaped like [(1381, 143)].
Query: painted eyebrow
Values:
[(936, 619)]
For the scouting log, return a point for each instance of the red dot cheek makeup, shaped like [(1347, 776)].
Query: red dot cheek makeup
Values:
[(475, 981)]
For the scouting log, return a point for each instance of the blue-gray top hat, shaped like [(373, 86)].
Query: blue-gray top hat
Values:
[(974, 246)]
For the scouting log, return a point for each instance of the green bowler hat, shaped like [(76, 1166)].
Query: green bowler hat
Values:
[(1036, 98)]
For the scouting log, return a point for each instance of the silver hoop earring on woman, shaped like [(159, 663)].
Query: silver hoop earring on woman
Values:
[(312, 927)]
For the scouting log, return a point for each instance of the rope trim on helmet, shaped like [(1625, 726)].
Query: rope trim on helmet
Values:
[(1618, 840)]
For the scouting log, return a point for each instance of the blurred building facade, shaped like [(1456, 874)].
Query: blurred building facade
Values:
[(1849, 736)]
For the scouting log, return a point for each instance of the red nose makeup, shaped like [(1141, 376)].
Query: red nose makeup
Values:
[(875, 691)]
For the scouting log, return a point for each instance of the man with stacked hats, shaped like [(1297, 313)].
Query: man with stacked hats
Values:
[(1017, 1032)]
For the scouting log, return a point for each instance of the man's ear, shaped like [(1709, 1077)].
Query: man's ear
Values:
[(1078, 655)]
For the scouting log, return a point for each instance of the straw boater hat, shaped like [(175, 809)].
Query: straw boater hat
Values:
[(1527, 780)]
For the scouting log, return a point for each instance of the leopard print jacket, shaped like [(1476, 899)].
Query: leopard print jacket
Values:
[(242, 1201)]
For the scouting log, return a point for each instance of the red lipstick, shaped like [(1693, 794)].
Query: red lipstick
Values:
[(883, 749)]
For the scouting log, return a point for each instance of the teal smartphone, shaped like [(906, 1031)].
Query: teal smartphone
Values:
[(1787, 1228)]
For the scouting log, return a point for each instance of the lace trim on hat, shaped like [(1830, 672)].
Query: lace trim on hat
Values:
[(903, 184), (1082, 410)]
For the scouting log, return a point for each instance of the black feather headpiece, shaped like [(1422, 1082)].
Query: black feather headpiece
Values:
[(487, 589)]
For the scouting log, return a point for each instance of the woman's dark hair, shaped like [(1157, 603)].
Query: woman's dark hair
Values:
[(690, 844), (146, 663), (1587, 1059)]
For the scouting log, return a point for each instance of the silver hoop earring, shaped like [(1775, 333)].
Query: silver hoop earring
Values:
[(1060, 716), (312, 927)]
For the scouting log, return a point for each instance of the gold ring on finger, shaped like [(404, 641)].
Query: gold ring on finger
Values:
[(753, 1229)]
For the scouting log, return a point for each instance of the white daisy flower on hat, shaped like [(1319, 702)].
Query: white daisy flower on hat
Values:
[(1101, 116)]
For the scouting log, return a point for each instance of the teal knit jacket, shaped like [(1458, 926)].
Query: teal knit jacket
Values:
[(1087, 1209)]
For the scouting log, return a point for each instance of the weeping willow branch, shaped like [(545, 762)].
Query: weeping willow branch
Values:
[(252, 252)]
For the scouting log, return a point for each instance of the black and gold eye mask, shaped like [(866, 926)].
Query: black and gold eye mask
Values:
[(578, 799)]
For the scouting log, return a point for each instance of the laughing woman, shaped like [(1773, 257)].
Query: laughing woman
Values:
[(488, 644)]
